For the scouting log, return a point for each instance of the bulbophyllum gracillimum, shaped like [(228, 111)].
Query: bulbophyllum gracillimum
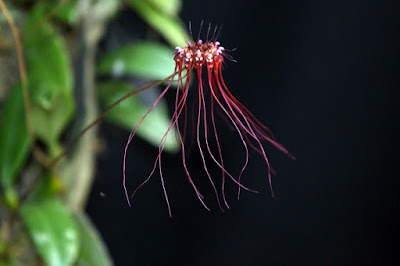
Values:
[(204, 60)]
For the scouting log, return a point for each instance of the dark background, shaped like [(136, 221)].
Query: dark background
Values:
[(322, 76)]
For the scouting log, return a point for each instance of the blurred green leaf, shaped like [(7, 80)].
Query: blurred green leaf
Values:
[(143, 59), (53, 231), (50, 78), (49, 68), (92, 248), (170, 27), (14, 141), (49, 123), (11, 198), (133, 109), (47, 186), (68, 13), (148, 60), (170, 7)]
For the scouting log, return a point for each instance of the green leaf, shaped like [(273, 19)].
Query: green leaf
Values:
[(170, 8), (170, 27), (148, 60), (14, 141), (53, 231), (47, 187), (49, 68), (68, 13), (133, 109), (50, 78), (49, 123), (93, 250)]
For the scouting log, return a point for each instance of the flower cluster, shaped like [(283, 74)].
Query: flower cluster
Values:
[(250, 130)]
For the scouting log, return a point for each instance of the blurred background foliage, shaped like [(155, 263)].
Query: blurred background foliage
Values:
[(67, 85)]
